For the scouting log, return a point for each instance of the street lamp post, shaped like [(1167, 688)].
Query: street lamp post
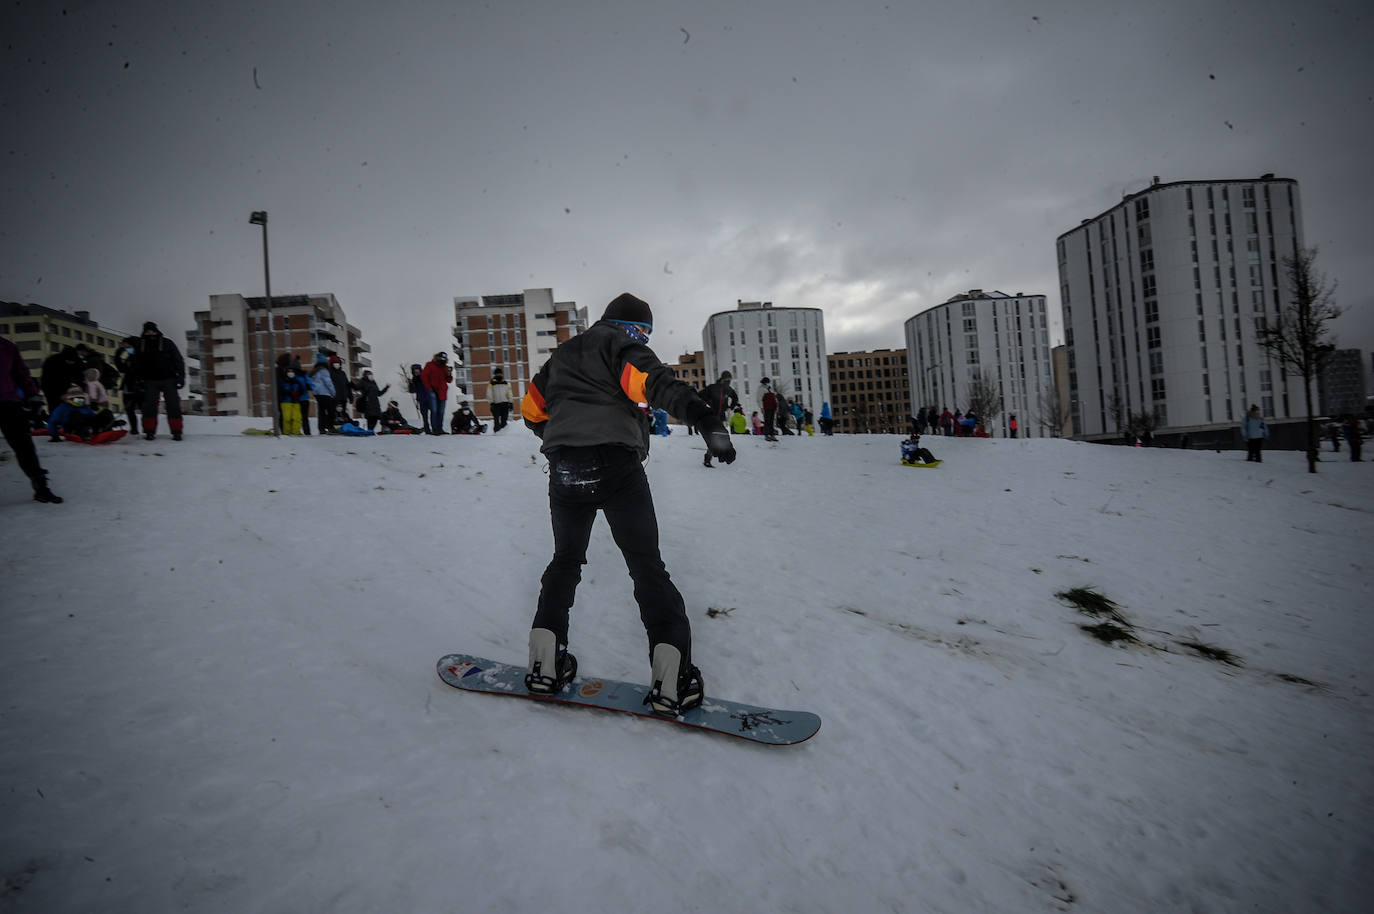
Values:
[(259, 217)]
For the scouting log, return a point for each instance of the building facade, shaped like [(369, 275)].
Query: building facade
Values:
[(757, 341), (1164, 296), (871, 391), (40, 332), (690, 368), (514, 332), (1343, 386), (238, 351), (1001, 341)]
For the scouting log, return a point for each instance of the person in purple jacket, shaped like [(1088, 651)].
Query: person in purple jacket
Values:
[(17, 388)]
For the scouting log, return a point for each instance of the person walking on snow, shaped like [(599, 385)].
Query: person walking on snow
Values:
[(584, 405), (720, 398), (498, 396), (1254, 431), (159, 367), (19, 394)]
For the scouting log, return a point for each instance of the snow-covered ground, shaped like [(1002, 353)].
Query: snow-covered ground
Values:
[(217, 688)]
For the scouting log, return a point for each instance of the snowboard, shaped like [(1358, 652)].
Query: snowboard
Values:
[(925, 465), (771, 726)]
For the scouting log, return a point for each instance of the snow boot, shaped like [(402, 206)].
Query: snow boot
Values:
[(547, 654), (42, 493), (675, 690)]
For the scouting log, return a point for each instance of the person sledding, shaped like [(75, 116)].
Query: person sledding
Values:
[(465, 421), (75, 417), (915, 455), (393, 423)]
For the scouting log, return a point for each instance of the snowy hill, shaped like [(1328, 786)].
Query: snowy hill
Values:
[(219, 691)]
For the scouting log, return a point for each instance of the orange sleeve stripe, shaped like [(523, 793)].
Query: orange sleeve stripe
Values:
[(532, 406), (633, 381)]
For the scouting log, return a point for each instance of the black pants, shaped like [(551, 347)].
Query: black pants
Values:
[(14, 424), (500, 415), (1254, 449), (167, 388), (611, 479), (325, 406)]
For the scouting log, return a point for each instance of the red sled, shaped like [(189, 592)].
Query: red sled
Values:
[(109, 436)]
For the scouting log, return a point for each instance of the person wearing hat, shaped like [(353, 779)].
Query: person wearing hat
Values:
[(370, 399), (322, 386), (498, 395), (768, 401), (20, 396), (721, 399), (585, 404), (435, 377), (343, 389), (158, 366)]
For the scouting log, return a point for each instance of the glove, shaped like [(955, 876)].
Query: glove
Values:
[(717, 438)]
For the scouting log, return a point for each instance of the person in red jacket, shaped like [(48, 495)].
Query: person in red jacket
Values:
[(584, 404), (435, 377), (1015, 427)]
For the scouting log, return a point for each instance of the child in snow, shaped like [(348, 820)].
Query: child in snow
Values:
[(294, 391), (393, 422), (757, 423), (465, 421), (913, 453), (73, 415), (738, 424), (661, 423)]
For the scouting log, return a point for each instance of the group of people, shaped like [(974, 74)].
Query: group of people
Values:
[(71, 396), (957, 424), (780, 414), (337, 398)]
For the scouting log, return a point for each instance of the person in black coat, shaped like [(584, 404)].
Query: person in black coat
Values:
[(158, 366), (59, 372), (722, 400), (370, 399), (343, 388)]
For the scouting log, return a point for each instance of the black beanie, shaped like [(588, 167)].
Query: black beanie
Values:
[(625, 307), (151, 326)]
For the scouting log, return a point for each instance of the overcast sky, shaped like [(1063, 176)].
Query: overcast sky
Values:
[(867, 158)]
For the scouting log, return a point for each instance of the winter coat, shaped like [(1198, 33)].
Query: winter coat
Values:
[(825, 409), (157, 358), (721, 398), (738, 424), (59, 372), (96, 395), (1253, 427), (321, 381), (16, 384), (124, 361), (498, 392), (768, 400), (416, 384), (436, 377), (371, 397), (343, 388), (588, 392), (295, 390)]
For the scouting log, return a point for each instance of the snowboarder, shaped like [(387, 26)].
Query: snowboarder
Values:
[(584, 404)]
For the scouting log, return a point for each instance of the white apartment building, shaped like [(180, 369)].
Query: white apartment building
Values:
[(1005, 338), (757, 341), (1163, 297)]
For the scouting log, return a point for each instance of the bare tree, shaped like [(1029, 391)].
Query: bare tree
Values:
[(1300, 340), (984, 399), (1142, 425), (1054, 411)]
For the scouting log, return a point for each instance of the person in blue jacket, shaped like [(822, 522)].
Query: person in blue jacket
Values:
[(294, 392), (322, 383), (827, 421), (1254, 431)]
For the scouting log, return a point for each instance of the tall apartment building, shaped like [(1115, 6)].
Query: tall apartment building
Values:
[(238, 351), (871, 390), (757, 340), (1342, 387), (1004, 339), (1164, 295), (39, 332), (514, 332)]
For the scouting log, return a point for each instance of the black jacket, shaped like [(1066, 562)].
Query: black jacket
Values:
[(721, 398), (157, 359), (589, 391)]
